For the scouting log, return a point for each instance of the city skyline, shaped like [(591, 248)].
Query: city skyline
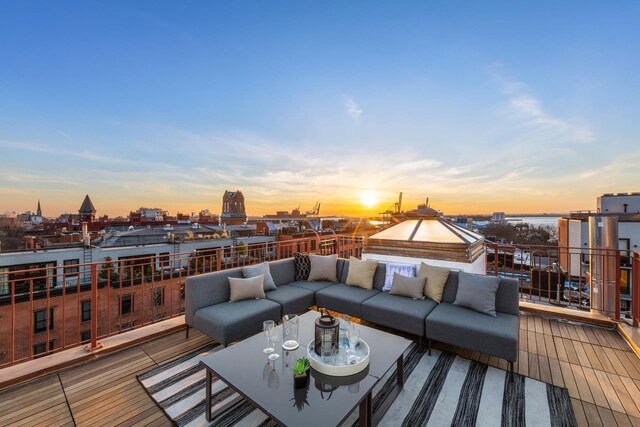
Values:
[(486, 107)]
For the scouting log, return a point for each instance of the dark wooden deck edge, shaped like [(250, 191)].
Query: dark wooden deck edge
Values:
[(90, 356)]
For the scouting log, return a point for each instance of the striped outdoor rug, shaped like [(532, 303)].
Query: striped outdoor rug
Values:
[(440, 390)]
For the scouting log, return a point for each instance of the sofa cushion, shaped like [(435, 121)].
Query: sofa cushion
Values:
[(401, 313), (361, 273), (312, 286), (323, 267), (436, 280), (227, 322), (466, 328), (303, 266), (412, 287), (293, 299), (343, 298), (404, 269), (477, 292), (282, 271), (241, 289), (261, 269)]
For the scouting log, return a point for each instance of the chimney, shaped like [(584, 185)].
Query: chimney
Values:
[(86, 239)]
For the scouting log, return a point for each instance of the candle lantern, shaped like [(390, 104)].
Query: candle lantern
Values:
[(326, 333)]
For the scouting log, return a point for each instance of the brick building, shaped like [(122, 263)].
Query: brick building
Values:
[(233, 209)]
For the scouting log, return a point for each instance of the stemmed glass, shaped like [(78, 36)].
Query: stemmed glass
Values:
[(273, 338), (267, 327)]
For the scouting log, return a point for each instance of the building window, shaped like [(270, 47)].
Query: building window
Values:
[(624, 245), (158, 297), (126, 304), (86, 310), (74, 266), (42, 348), (625, 276), (40, 320), (85, 336)]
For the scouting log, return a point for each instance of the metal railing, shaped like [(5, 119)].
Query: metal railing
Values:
[(50, 309), (582, 278)]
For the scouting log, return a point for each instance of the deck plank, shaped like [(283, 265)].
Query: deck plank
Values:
[(600, 372)]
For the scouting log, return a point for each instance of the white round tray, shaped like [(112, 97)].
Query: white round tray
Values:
[(342, 370)]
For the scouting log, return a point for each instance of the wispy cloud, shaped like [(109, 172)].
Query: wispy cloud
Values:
[(527, 110), (353, 109)]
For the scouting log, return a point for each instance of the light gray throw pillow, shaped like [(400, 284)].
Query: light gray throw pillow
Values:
[(477, 292), (241, 289), (412, 287), (261, 269), (323, 268)]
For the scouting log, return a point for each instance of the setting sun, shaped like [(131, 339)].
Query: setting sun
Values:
[(369, 198)]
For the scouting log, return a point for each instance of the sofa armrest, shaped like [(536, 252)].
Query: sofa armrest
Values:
[(205, 290), (508, 296)]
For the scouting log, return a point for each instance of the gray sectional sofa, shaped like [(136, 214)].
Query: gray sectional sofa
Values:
[(207, 308)]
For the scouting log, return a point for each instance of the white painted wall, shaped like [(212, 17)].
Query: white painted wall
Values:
[(478, 266)]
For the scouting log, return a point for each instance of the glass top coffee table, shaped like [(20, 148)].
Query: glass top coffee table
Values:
[(269, 384)]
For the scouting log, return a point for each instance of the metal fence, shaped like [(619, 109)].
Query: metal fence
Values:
[(583, 278), (50, 309)]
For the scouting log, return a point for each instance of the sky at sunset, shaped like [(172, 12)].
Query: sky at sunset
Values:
[(480, 106)]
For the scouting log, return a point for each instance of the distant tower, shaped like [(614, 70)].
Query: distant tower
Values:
[(39, 211), (233, 210), (87, 211)]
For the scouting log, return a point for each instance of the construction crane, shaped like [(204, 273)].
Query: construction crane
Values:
[(396, 208), (315, 211)]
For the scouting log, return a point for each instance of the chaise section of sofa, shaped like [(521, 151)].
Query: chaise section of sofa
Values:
[(207, 308), (463, 327)]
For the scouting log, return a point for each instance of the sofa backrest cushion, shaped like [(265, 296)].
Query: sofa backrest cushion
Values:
[(283, 271), (508, 296)]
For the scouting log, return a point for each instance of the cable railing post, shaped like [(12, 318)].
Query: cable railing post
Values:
[(94, 344), (617, 286)]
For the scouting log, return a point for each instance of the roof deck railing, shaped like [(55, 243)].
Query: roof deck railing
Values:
[(582, 278), (50, 309)]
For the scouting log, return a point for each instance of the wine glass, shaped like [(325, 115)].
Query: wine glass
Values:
[(267, 327), (273, 338)]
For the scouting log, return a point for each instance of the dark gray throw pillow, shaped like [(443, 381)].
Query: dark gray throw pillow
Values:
[(412, 287), (477, 292), (302, 265), (261, 269)]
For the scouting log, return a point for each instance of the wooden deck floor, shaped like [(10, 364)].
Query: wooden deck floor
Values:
[(600, 371)]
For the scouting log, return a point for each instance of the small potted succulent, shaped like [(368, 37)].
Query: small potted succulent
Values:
[(301, 372)]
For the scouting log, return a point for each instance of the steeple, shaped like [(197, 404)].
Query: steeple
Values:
[(87, 211), (39, 211), (87, 206)]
